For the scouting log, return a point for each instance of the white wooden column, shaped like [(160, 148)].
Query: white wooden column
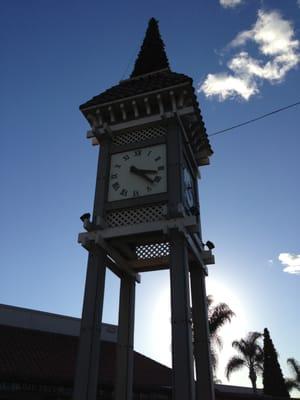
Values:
[(204, 376), (124, 360), (182, 354), (87, 367)]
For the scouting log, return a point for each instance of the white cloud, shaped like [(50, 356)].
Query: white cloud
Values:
[(278, 49), (291, 262), (273, 34), (273, 71), (298, 2), (231, 3), (223, 86)]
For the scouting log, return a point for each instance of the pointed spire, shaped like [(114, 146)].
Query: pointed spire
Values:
[(152, 56)]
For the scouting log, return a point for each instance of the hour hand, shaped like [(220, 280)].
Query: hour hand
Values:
[(142, 173)]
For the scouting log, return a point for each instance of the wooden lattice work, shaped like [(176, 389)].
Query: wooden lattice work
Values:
[(153, 250), (133, 216), (139, 135)]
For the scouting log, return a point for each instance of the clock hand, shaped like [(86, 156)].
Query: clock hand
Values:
[(142, 171)]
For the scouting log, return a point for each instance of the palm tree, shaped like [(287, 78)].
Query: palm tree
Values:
[(218, 316), (293, 383), (250, 356)]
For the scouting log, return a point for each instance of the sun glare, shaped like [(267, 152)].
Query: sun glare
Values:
[(161, 326)]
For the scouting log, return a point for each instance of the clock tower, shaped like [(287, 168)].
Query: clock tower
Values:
[(146, 217)]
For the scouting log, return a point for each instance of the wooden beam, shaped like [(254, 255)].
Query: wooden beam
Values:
[(189, 223), (121, 263), (150, 263)]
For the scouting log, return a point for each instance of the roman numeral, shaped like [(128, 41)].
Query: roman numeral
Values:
[(116, 185), (124, 192)]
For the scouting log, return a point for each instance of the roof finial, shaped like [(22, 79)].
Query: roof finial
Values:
[(152, 56)]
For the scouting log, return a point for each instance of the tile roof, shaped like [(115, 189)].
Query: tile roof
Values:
[(49, 358), (143, 84)]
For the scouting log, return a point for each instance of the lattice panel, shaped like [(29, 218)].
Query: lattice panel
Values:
[(154, 250), (140, 135), (133, 216)]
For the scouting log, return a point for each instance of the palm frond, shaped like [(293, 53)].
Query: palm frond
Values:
[(219, 316), (234, 364), (216, 339), (258, 368), (213, 358), (250, 356), (254, 336), (240, 346), (249, 347)]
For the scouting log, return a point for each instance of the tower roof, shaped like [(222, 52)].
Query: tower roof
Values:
[(152, 56), (151, 89), (151, 71), (134, 87)]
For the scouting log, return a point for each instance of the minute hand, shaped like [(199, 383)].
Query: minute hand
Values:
[(142, 171)]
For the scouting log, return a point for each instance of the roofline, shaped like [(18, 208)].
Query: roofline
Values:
[(135, 96), (36, 320), (134, 78)]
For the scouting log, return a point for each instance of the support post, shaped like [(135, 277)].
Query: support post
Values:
[(87, 367), (124, 363), (182, 354), (204, 376)]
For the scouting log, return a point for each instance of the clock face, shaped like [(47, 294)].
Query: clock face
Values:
[(189, 195), (138, 172)]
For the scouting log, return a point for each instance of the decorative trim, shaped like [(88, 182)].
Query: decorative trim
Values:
[(136, 96)]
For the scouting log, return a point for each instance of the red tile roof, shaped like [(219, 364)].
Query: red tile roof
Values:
[(49, 358)]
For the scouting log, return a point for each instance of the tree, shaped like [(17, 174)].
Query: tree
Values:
[(218, 316), (250, 355), (274, 383), (293, 383)]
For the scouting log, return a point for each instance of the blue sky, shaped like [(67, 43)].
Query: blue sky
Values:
[(244, 59)]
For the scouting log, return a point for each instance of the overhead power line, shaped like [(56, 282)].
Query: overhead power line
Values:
[(254, 119)]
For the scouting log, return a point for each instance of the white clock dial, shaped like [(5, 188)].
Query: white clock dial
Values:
[(138, 172), (188, 188)]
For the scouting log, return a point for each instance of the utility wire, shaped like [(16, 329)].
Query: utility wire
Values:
[(255, 119)]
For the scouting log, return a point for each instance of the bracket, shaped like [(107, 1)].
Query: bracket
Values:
[(95, 237), (204, 257)]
